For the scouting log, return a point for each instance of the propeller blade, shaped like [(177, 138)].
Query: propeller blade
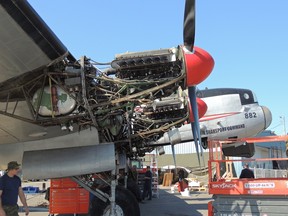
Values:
[(195, 142), (195, 125), (193, 101), (189, 25)]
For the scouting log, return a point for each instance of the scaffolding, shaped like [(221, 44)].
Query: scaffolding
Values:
[(247, 196)]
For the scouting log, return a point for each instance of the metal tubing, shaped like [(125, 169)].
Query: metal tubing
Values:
[(83, 82), (113, 195)]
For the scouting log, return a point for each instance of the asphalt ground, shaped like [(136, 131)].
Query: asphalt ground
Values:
[(167, 204)]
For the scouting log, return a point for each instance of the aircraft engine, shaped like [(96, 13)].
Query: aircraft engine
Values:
[(132, 103)]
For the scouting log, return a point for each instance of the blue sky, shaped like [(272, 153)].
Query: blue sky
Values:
[(248, 39)]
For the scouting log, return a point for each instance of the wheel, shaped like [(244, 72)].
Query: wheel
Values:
[(131, 200), (133, 187), (126, 204)]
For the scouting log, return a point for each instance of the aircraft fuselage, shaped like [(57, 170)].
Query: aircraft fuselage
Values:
[(231, 113)]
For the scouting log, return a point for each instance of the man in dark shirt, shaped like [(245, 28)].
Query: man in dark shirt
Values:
[(181, 174), (246, 172), (147, 184), (10, 188)]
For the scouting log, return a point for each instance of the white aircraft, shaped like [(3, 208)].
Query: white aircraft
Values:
[(229, 113)]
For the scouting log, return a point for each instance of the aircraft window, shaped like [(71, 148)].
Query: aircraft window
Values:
[(255, 98), (246, 96)]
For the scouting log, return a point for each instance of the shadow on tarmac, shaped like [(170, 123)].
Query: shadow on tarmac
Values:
[(167, 204)]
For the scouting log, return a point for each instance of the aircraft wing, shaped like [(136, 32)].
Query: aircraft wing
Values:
[(27, 47)]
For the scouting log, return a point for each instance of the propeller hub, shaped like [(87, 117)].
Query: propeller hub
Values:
[(198, 64)]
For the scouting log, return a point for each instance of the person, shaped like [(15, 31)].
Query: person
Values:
[(10, 189), (133, 174), (181, 174), (181, 183), (147, 184), (246, 172)]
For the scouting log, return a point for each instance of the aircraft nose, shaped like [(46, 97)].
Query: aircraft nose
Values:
[(267, 116)]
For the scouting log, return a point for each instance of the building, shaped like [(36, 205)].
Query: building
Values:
[(186, 155)]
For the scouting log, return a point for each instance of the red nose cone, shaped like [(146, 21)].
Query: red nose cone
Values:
[(202, 108), (198, 66)]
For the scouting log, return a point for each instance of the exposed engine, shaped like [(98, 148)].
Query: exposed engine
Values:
[(132, 103)]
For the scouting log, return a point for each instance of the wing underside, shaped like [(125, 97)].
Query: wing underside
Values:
[(27, 47)]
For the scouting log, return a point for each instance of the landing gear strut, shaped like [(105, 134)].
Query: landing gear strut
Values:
[(125, 204)]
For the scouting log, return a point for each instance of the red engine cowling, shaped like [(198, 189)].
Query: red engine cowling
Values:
[(199, 65), (202, 109)]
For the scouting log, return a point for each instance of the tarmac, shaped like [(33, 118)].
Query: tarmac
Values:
[(167, 203)]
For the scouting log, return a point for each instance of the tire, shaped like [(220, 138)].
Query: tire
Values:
[(126, 204), (133, 187)]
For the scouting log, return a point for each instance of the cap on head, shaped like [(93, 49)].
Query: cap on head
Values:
[(13, 165)]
